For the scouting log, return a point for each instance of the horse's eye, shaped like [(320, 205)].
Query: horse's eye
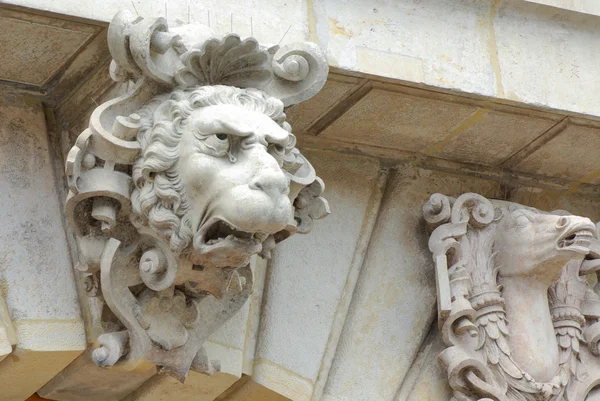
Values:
[(562, 222), (522, 221)]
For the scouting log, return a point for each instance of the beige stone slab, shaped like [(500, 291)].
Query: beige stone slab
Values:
[(545, 56), (24, 51), (82, 380), (397, 120), (197, 387), (247, 389), (427, 42), (570, 155), (269, 22), (24, 371), (302, 115), (490, 137)]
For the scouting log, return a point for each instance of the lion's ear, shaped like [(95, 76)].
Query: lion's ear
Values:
[(164, 111), (300, 172)]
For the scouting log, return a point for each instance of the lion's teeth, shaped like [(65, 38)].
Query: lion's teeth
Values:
[(261, 236)]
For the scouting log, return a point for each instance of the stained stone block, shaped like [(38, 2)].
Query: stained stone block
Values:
[(82, 380), (36, 277), (393, 305)]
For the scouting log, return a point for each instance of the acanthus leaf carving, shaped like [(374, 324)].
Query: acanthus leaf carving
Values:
[(175, 185), (518, 318)]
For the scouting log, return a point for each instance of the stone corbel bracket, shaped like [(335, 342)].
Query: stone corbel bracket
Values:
[(481, 250), (161, 303)]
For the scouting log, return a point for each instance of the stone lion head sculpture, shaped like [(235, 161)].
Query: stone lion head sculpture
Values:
[(211, 178), (176, 184)]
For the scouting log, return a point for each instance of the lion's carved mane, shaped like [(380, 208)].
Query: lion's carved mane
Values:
[(158, 198)]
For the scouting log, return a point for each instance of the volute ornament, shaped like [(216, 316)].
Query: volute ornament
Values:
[(175, 185), (517, 310)]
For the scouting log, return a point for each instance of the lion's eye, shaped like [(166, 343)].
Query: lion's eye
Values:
[(218, 144), (278, 152), (277, 149)]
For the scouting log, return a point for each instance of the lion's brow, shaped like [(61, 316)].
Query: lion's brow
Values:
[(275, 138)]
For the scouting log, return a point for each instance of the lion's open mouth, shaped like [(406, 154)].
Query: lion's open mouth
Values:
[(578, 239), (221, 230)]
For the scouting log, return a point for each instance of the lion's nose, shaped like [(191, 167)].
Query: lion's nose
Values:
[(274, 183)]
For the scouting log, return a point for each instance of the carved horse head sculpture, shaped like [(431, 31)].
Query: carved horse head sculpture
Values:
[(175, 185), (510, 298)]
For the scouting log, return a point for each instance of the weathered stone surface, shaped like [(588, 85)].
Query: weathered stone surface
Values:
[(567, 156), (401, 121), (248, 390), (393, 304), (304, 288), (427, 380), (21, 32), (490, 48), (82, 380), (490, 137), (301, 115), (198, 387), (36, 278), (581, 6), (8, 336), (460, 45)]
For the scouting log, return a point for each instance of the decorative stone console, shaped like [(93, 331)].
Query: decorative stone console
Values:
[(517, 307), (175, 186)]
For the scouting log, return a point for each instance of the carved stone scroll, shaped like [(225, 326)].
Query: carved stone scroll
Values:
[(175, 185), (519, 321)]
